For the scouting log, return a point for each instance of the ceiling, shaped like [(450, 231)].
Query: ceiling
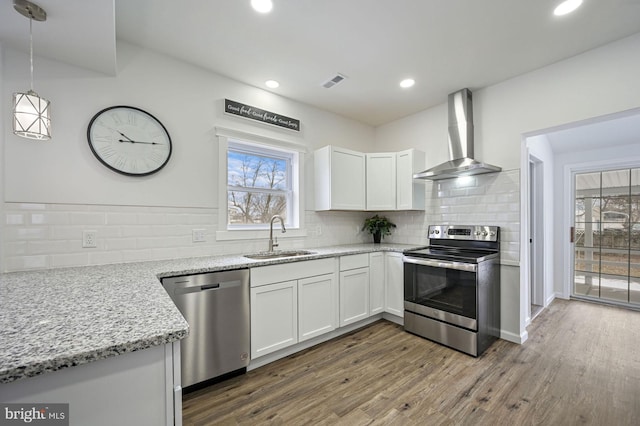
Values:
[(443, 45)]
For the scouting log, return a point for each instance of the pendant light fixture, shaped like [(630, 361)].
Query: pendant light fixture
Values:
[(31, 113)]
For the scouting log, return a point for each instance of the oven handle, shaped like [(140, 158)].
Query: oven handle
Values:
[(460, 266)]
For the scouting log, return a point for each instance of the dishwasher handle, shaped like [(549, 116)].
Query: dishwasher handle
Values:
[(205, 287)]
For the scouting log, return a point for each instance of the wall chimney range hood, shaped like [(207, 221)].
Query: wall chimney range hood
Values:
[(462, 162)]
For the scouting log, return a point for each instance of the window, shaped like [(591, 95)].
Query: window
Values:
[(259, 185), (607, 236), (258, 177)]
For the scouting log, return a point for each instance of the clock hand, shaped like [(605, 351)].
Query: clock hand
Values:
[(132, 141), (122, 134)]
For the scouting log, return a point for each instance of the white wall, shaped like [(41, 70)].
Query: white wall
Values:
[(187, 99), (599, 82), (539, 147), (54, 190)]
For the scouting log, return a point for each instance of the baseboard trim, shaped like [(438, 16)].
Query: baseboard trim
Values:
[(513, 337)]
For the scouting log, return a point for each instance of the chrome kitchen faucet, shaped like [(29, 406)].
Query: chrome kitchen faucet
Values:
[(271, 243)]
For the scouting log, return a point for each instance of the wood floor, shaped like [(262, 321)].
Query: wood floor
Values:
[(580, 365)]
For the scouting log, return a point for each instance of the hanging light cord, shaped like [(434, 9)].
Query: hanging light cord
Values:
[(31, 46)]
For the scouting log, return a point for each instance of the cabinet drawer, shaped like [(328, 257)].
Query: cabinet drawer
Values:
[(354, 261), (291, 271)]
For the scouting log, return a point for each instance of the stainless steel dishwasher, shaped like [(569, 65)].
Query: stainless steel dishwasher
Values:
[(216, 306)]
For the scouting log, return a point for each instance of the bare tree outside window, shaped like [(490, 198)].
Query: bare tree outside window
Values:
[(258, 187)]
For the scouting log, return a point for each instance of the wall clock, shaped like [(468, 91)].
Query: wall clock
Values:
[(129, 140)]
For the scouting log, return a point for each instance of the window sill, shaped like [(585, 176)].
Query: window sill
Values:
[(256, 234)]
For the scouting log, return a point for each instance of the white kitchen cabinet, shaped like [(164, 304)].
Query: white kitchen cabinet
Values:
[(340, 179), (317, 305), (354, 288), (381, 181), (394, 274), (274, 317), (409, 191), (376, 283), (292, 302)]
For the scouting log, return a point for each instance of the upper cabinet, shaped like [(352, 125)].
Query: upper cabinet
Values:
[(381, 181), (351, 180), (409, 191), (339, 179)]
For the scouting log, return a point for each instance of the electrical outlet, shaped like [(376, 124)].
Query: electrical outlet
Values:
[(89, 239), (199, 235), (318, 230)]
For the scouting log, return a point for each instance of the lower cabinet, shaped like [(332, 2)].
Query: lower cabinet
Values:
[(376, 283), (316, 306), (354, 288), (294, 302), (354, 295), (287, 312), (394, 276), (139, 388), (274, 317)]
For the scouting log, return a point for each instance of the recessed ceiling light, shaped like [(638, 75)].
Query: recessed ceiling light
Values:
[(407, 82), (272, 84), (566, 7), (262, 6)]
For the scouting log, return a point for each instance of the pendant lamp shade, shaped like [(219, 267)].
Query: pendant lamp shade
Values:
[(31, 113), (31, 116)]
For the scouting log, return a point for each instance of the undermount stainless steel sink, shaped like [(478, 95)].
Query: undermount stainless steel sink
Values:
[(278, 254)]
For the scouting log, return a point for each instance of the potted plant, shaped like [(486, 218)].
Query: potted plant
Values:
[(378, 227)]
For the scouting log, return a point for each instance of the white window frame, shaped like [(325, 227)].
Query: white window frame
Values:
[(291, 158), (295, 217)]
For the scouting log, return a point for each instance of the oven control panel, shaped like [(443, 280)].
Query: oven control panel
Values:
[(464, 232)]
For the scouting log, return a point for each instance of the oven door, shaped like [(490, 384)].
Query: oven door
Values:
[(442, 290)]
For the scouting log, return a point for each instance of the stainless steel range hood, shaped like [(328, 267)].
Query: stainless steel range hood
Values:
[(462, 162)]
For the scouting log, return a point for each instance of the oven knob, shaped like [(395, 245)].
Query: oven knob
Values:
[(437, 231), (492, 233), (477, 232), (484, 233)]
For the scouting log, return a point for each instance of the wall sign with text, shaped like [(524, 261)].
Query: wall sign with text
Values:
[(253, 113)]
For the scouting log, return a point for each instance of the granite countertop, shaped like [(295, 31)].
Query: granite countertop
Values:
[(58, 318)]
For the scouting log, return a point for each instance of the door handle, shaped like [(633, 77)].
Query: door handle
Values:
[(572, 231)]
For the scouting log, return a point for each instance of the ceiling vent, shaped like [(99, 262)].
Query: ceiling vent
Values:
[(335, 80)]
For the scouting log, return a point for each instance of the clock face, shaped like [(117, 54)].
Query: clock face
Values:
[(129, 140)]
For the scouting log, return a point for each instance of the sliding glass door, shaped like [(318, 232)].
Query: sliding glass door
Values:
[(607, 236)]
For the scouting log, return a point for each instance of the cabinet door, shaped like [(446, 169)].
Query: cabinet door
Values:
[(395, 284), (339, 179), (354, 295), (317, 303), (409, 191), (347, 179), (381, 181), (274, 317), (376, 283)]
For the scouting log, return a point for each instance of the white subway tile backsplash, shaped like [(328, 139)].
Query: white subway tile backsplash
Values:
[(105, 257), (38, 236), (88, 218), (69, 259), (120, 243), (22, 263), (121, 218), (24, 233), (15, 219)]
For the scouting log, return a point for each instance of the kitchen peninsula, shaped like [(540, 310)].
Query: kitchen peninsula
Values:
[(110, 323)]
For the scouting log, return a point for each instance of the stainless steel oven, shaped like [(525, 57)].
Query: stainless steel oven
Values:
[(452, 288)]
